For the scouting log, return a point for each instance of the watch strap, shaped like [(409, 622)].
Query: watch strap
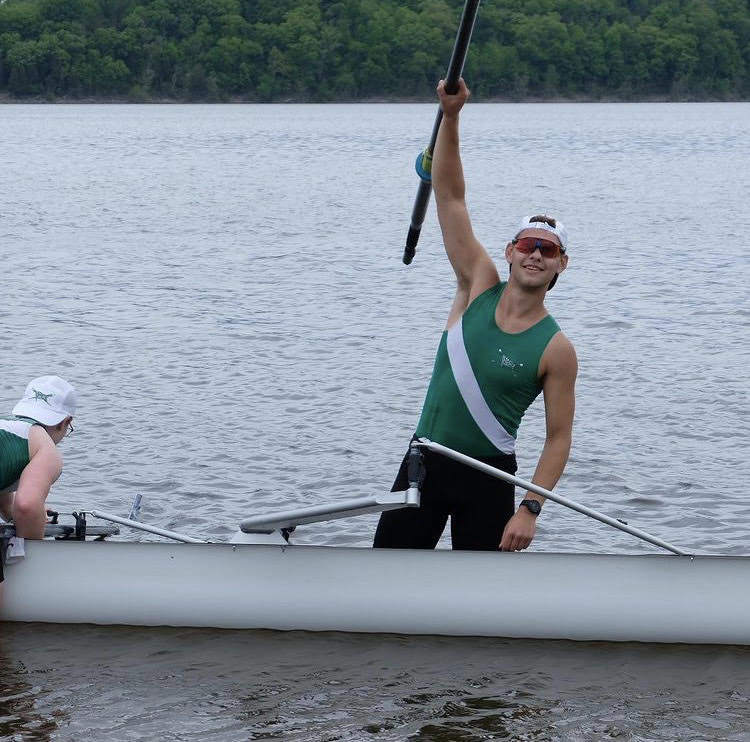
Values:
[(533, 506)]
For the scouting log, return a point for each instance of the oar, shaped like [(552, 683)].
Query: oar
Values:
[(424, 161), (499, 474)]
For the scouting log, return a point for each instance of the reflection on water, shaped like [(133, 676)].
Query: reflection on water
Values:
[(121, 683), (20, 702), (467, 718)]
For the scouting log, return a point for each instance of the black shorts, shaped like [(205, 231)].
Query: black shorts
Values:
[(478, 504)]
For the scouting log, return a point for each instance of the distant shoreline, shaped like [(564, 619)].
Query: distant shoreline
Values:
[(382, 51), (125, 100)]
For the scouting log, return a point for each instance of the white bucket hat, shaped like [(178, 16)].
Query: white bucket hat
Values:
[(48, 400), (558, 230)]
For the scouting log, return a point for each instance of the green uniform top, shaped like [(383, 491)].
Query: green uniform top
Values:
[(14, 450), (506, 366)]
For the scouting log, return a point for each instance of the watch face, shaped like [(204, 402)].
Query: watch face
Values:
[(532, 505)]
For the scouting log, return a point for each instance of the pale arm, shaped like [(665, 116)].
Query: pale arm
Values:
[(42, 471), (558, 386)]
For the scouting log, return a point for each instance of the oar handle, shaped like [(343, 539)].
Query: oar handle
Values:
[(455, 68), (500, 474), (461, 47)]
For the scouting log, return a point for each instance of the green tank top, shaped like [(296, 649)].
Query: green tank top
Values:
[(506, 366), (14, 450)]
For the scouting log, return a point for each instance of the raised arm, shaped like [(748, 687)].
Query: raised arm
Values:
[(473, 267)]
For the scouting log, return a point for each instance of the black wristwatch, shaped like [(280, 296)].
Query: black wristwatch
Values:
[(534, 506)]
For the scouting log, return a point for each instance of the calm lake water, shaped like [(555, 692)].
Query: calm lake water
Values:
[(224, 286)]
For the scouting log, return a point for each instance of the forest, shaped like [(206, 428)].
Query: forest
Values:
[(366, 50)]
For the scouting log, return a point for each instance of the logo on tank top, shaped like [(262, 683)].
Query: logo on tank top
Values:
[(507, 362)]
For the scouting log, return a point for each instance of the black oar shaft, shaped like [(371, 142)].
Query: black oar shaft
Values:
[(455, 68)]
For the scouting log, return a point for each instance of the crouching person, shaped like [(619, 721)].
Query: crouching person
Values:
[(30, 462)]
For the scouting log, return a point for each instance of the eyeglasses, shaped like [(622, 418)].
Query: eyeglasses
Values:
[(547, 248), (69, 430)]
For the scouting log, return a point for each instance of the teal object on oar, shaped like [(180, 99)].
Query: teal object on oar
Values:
[(424, 165)]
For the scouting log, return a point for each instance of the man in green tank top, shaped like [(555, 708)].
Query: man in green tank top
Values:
[(30, 462), (501, 349)]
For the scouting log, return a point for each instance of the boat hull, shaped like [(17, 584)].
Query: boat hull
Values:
[(650, 598)]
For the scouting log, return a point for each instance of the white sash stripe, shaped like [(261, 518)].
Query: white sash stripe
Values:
[(472, 394)]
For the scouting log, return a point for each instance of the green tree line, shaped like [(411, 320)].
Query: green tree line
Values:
[(322, 50)]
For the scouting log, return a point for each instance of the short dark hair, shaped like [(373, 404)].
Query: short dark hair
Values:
[(542, 218)]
